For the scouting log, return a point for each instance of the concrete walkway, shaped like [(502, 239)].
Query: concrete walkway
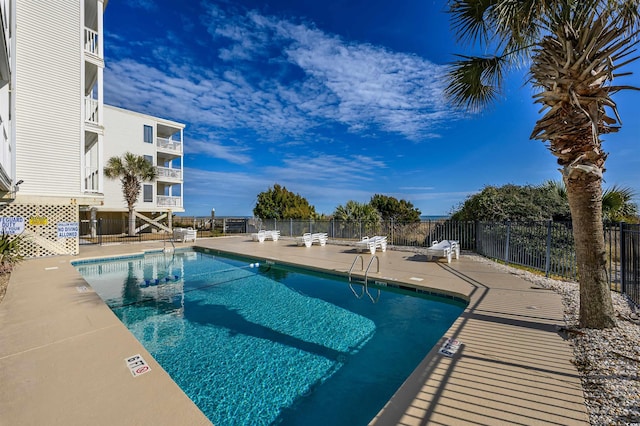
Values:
[(62, 351)]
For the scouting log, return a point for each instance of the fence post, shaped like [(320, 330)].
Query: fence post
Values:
[(623, 260), (100, 231), (506, 246), (547, 265), (391, 226)]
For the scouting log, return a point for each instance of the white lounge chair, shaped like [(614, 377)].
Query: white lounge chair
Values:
[(308, 239), (258, 236), (371, 244), (261, 236), (444, 248), (184, 234)]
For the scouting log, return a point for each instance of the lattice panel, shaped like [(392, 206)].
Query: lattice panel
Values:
[(41, 228)]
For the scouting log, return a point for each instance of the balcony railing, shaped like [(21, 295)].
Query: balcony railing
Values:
[(169, 145), (91, 180), (91, 110), (173, 174), (91, 42), (166, 201)]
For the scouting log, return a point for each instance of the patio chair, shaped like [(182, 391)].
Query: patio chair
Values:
[(371, 244), (444, 248), (308, 239)]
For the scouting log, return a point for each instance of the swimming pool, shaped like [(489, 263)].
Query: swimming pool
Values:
[(257, 343)]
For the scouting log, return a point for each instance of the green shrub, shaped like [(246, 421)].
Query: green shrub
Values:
[(10, 252)]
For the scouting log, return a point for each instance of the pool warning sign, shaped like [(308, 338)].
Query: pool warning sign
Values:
[(137, 365), (12, 225), (68, 229)]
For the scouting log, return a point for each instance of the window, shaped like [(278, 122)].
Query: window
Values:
[(147, 193), (149, 159), (148, 134)]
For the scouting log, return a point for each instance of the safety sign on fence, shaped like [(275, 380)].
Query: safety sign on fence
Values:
[(12, 225), (68, 229)]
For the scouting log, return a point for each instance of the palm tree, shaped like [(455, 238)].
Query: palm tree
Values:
[(617, 205), (132, 170), (362, 214), (575, 49)]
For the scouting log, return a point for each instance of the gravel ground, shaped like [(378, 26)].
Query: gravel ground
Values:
[(608, 360)]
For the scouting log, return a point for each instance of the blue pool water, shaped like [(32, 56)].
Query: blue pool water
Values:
[(264, 344)]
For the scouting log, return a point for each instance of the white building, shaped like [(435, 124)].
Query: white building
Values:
[(160, 142), (54, 134)]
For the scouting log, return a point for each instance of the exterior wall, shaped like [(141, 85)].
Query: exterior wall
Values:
[(7, 145), (49, 98), (124, 132)]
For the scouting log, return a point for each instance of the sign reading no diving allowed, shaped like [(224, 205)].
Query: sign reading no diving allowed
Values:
[(68, 229)]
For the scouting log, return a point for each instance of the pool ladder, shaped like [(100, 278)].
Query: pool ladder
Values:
[(164, 244), (365, 288)]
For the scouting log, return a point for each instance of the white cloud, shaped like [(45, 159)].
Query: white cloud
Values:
[(272, 85), (281, 80), (216, 150), (322, 180)]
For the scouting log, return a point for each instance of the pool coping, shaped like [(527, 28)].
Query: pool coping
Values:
[(512, 367)]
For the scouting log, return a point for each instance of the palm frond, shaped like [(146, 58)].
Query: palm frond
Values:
[(628, 12), (469, 19), (475, 82), (617, 203)]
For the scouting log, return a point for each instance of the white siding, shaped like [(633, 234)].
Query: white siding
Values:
[(49, 97), (7, 147)]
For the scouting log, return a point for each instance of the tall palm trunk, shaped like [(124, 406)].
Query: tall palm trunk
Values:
[(585, 202), (132, 222)]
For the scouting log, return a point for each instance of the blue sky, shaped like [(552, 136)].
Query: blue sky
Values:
[(335, 100)]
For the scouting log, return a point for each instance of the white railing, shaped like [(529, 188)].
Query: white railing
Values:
[(91, 181), (6, 147), (165, 172), (91, 42), (169, 144), (165, 201), (91, 110)]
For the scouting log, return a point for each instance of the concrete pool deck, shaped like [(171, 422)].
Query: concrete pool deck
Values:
[(62, 350)]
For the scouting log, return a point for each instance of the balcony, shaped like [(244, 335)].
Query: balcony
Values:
[(166, 201), (91, 111), (168, 173), (91, 44), (91, 180), (169, 145)]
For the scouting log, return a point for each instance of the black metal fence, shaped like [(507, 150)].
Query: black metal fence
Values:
[(543, 246), (629, 271)]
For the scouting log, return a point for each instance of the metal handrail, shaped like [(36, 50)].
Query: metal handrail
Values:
[(164, 244), (366, 278), (354, 264), (361, 268)]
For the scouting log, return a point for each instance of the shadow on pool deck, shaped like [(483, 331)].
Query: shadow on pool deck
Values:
[(62, 350)]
